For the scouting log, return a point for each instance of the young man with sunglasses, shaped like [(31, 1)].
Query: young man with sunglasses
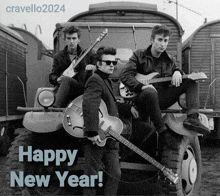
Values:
[(70, 87), (99, 87), (152, 98)]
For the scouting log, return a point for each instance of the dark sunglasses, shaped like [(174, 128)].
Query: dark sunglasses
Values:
[(109, 62)]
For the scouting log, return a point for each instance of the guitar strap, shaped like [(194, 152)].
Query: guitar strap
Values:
[(109, 87), (76, 58)]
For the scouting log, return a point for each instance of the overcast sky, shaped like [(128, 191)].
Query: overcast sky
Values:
[(191, 13)]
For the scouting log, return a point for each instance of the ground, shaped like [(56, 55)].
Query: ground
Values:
[(210, 176)]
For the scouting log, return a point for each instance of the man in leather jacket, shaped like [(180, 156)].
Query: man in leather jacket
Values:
[(152, 98), (70, 88)]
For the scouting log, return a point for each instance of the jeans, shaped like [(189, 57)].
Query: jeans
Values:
[(68, 90), (151, 103), (94, 157)]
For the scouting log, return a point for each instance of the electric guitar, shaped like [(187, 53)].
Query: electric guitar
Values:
[(70, 71), (109, 127), (152, 78)]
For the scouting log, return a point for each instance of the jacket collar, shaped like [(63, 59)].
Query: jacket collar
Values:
[(164, 54), (102, 74), (65, 51)]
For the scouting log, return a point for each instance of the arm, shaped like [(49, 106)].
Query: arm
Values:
[(55, 74), (91, 103), (176, 74), (129, 72)]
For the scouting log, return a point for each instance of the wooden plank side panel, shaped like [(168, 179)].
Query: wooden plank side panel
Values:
[(2, 78), (16, 66), (185, 62), (217, 74), (201, 60)]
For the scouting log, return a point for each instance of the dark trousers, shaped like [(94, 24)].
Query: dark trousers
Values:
[(68, 90), (95, 157), (151, 102)]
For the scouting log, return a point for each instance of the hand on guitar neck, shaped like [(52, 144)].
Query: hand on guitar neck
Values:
[(70, 71)]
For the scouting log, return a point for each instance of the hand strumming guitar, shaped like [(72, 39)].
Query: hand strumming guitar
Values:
[(134, 112), (176, 78), (90, 67), (95, 139), (59, 80)]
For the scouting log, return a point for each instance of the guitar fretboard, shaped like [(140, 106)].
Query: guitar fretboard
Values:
[(135, 149), (157, 80)]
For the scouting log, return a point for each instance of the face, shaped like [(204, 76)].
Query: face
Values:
[(102, 66), (159, 44), (72, 41)]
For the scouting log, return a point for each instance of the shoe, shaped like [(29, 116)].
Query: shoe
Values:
[(194, 124)]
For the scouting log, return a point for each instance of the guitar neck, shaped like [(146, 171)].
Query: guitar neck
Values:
[(136, 149), (85, 53), (157, 80)]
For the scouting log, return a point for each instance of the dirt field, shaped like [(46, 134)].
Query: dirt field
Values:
[(210, 178)]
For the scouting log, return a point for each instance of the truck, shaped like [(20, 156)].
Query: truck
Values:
[(13, 84), (174, 170)]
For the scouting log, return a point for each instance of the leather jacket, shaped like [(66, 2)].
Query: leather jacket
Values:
[(142, 62), (62, 61)]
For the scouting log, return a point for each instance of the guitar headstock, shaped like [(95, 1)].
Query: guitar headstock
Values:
[(197, 76), (171, 176), (103, 34)]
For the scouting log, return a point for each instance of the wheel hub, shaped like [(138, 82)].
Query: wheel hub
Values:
[(192, 171), (189, 171)]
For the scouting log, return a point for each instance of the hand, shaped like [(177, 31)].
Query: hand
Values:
[(95, 139), (134, 112), (120, 100), (59, 80), (90, 67), (148, 86), (176, 78)]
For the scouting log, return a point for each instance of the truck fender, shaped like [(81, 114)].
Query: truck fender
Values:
[(43, 122), (175, 123)]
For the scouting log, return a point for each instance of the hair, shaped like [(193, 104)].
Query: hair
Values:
[(104, 51), (71, 30), (160, 30)]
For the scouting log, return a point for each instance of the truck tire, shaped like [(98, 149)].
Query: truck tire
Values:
[(182, 154), (5, 140), (13, 164)]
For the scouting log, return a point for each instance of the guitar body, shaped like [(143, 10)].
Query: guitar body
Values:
[(73, 121), (126, 93), (70, 70)]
